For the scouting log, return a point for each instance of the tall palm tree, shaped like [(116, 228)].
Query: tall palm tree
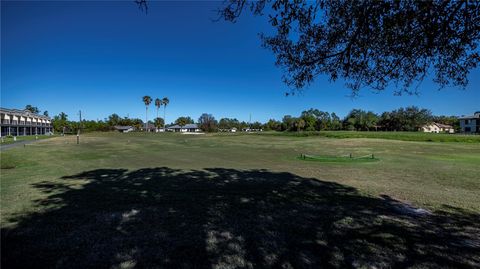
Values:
[(165, 102), (158, 104), (147, 100)]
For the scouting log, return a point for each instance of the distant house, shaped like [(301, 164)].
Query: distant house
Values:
[(252, 130), (150, 127), (124, 129), (230, 130), (437, 128), (188, 128), (470, 124)]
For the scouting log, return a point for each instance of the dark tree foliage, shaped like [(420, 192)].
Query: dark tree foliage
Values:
[(360, 120), (273, 125), (182, 121), (405, 119), (226, 124), (114, 120), (449, 120), (207, 123), (369, 43), (159, 122), (32, 109), (142, 5)]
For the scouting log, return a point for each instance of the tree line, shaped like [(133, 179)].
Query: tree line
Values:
[(402, 119)]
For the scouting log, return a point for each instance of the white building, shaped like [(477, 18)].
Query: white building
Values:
[(437, 128), (23, 122), (124, 129), (188, 128)]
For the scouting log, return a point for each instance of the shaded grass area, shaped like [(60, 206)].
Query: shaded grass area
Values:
[(402, 136), (9, 140), (229, 218)]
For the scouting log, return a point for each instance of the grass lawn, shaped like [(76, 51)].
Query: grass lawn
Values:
[(403, 136), (239, 201)]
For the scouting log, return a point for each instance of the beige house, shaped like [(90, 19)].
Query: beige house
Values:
[(437, 128)]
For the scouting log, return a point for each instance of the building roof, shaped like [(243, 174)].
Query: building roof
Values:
[(118, 127), (443, 125), (439, 125), (187, 126), (475, 115), (22, 112)]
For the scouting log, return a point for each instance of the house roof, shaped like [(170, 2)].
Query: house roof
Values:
[(22, 112), (443, 125), (187, 126), (118, 127), (439, 125)]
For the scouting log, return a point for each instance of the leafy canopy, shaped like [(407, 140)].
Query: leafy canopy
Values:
[(369, 43)]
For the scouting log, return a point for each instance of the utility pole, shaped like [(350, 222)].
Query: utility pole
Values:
[(79, 126)]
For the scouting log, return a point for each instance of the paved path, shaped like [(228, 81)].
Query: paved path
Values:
[(17, 144)]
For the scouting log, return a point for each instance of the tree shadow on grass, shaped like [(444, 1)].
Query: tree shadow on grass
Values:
[(226, 218)]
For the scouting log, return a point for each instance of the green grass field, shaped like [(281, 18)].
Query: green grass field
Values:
[(239, 201), (403, 136), (10, 140)]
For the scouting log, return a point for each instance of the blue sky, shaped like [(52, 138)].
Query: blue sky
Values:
[(102, 57)]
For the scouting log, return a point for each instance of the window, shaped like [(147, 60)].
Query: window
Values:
[(466, 122), (467, 129)]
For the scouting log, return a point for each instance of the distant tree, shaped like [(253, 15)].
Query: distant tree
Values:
[(114, 120), (137, 123), (299, 124), (310, 121), (257, 125), (146, 100), (224, 124), (63, 116), (60, 122), (448, 120), (182, 121), (207, 123), (165, 102), (288, 123), (158, 104), (360, 120), (45, 113), (413, 118), (316, 120), (405, 119), (32, 109), (369, 43), (336, 123), (159, 122), (243, 125), (227, 124), (91, 126), (273, 125)]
